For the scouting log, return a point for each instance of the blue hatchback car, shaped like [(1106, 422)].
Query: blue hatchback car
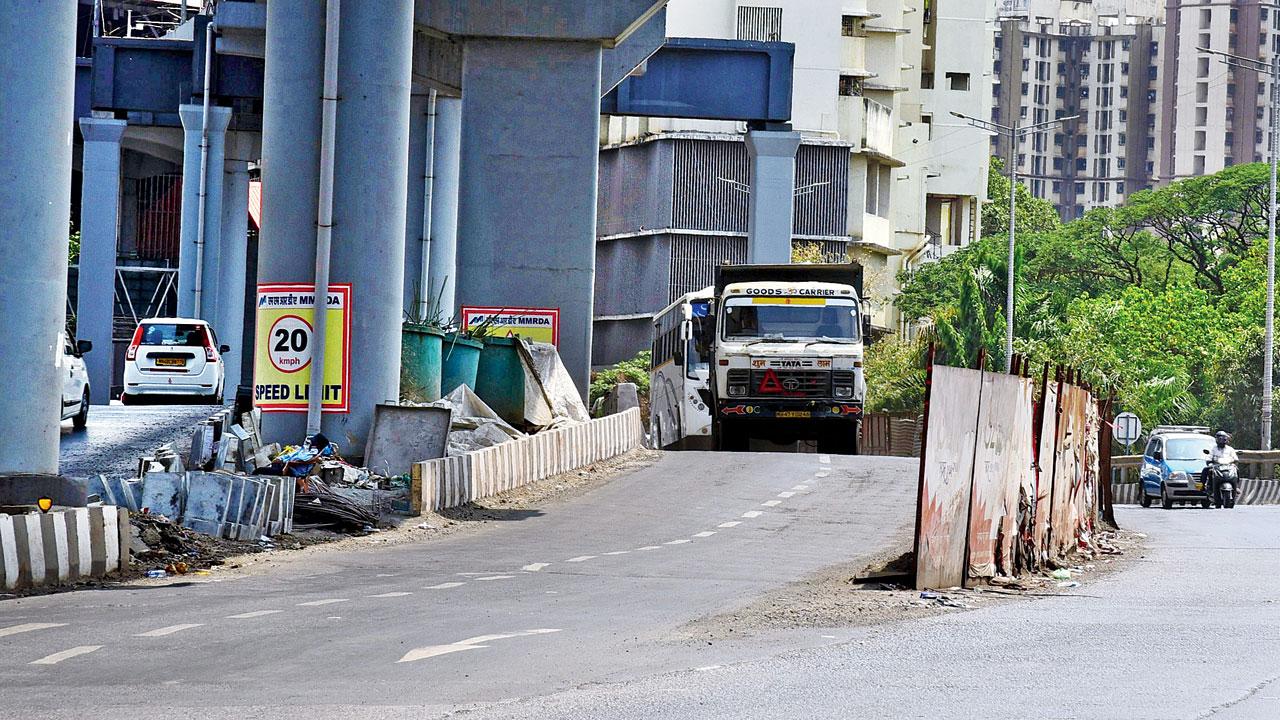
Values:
[(1172, 464)]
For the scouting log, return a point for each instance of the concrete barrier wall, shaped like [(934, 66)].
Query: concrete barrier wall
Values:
[(1252, 492), (453, 481), (62, 546)]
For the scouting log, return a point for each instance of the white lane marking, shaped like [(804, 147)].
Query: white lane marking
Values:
[(771, 503), (705, 668), (617, 552), (28, 627), (731, 523), (800, 488), (444, 586), (581, 558), (752, 514), (650, 547), (494, 577), (705, 533), (58, 657), (318, 603), (821, 474), (161, 632), (534, 567), (475, 643), (824, 459), (470, 574), (254, 614), (786, 494), (390, 594), (388, 574), (681, 541)]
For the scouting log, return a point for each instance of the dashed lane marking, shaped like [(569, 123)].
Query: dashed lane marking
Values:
[(253, 614), (58, 657), (731, 523), (161, 632), (444, 586), (681, 541), (618, 552), (800, 488), (391, 594), (650, 547), (771, 503), (706, 668), (824, 459), (491, 578), (475, 643), (581, 558), (28, 627), (534, 567), (318, 603), (752, 514), (821, 474), (786, 494), (705, 533)]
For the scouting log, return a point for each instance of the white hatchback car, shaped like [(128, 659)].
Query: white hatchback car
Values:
[(173, 356), (75, 384)]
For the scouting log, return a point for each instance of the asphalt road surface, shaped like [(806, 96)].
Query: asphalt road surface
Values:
[(117, 435), (574, 610)]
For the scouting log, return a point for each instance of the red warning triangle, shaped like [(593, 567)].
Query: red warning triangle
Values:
[(770, 385)]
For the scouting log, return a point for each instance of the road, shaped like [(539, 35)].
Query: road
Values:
[(117, 435), (575, 611)]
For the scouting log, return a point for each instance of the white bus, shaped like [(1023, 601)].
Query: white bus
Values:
[(679, 393)]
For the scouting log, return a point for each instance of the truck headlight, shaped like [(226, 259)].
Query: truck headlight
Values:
[(844, 392)]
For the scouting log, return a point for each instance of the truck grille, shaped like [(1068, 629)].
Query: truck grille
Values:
[(791, 383)]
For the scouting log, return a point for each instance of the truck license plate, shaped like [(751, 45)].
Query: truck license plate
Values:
[(794, 414)]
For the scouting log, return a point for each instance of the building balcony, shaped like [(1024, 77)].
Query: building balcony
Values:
[(868, 125)]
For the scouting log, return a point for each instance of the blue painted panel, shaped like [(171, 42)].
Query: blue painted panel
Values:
[(710, 80)]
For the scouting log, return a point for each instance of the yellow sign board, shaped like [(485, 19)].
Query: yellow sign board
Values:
[(283, 343), (536, 324)]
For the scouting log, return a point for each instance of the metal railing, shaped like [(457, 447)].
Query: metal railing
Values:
[(1254, 464)]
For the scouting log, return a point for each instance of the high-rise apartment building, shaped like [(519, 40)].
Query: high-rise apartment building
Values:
[(884, 174)]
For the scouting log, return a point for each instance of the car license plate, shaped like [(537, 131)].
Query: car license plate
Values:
[(171, 362), (794, 414)]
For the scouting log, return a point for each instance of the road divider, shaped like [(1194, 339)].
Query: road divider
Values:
[(454, 481), (62, 546)]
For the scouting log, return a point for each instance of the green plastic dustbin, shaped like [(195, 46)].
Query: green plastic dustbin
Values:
[(500, 378), (420, 361), (461, 362)]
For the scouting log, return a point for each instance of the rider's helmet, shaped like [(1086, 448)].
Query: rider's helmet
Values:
[(1222, 437)]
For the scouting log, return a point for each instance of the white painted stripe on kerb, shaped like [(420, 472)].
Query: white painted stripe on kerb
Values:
[(253, 614), (534, 567), (705, 533), (752, 514), (444, 586), (58, 657), (731, 523), (581, 558), (785, 495), (161, 632), (318, 603), (391, 594), (28, 627), (771, 503)]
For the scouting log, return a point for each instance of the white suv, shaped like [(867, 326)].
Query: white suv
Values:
[(75, 384), (173, 356)]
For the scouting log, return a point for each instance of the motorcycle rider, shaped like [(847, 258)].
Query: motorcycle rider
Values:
[(1222, 454)]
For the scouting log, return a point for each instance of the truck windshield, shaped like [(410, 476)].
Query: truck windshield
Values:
[(791, 318)]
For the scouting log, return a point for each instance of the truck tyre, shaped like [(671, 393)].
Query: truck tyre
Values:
[(732, 437)]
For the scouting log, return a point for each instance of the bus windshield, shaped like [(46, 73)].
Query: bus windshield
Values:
[(791, 318)]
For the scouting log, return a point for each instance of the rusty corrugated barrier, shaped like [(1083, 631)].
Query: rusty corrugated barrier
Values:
[(1001, 466), (947, 475), (1075, 472)]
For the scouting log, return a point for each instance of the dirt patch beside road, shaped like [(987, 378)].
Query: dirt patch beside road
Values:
[(832, 599)]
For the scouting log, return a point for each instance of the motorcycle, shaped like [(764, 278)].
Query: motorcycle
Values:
[(1222, 482)]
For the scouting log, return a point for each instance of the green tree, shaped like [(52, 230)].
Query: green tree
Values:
[(1034, 214)]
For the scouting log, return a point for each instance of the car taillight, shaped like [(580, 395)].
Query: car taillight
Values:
[(132, 353), (209, 354)]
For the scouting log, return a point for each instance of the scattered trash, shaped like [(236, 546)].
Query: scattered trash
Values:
[(1069, 584), (155, 574), (926, 595), (1061, 574)]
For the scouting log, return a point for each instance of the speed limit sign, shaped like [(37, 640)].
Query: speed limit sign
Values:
[(1126, 429), (285, 347), (289, 347)]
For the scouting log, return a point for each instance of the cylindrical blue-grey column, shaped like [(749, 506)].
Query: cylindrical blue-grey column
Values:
[(414, 244), (192, 122), (369, 195), (99, 230), (293, 79), (771, 209), (234, 267), (37, 87), (443, 269), (527, 191)]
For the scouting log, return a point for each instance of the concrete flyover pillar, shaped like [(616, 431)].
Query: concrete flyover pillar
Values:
[(527, 197), (188, 252), (292, 85), (369, 196), (37, 52), (99, 228), (771, 209), (234, 258), (444, 202)]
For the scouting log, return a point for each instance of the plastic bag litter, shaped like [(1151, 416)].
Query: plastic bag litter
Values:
[(550, 398), (475, 425)]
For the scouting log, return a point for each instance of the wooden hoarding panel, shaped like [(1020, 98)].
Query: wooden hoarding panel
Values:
[(947, 474), (1002, 464)]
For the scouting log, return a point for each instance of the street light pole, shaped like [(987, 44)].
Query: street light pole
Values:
[(1272, 71), (1014, 133)]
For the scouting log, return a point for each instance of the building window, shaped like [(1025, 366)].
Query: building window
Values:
[(763, 24), (960, 81), (1206, 18), (849, 27), (850, 85)]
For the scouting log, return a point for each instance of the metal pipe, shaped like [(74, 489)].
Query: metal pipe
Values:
[(1268, 350), (428, 190), (204, 167), (324, 216)]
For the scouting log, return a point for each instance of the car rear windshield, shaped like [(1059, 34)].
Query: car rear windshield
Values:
[(173, 334), (1187, 448)]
